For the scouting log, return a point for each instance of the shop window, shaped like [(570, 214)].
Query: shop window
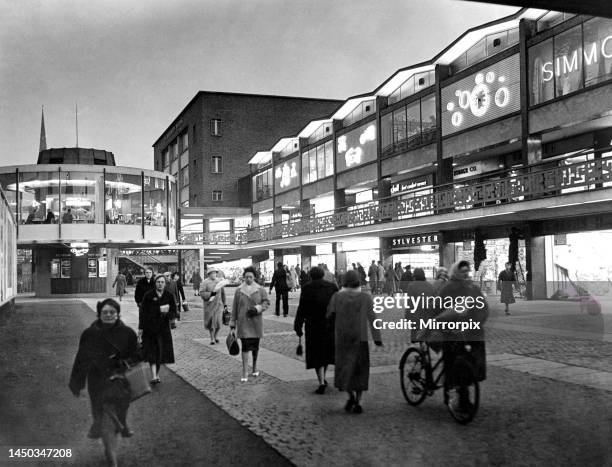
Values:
[(155, 207), (262, 185), (123, 198), (217, 166), (305, 168), (215, 127), (541, 72), (386, 129), (312, 163), (81, 195), (597, 50), (217, 195), (329, 159), (413, 124), (567, 59), (428, 119), (320, 162)]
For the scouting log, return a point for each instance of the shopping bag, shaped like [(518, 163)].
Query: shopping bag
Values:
[(232, 344), (226, 317)]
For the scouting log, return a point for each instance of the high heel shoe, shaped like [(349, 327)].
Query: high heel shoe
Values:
[(349, 404), (255, 374), (244, 380)]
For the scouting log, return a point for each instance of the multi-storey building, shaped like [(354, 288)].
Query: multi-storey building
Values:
[(499, 147), (207, 148)]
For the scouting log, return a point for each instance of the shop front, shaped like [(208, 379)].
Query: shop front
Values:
[(417, 251)]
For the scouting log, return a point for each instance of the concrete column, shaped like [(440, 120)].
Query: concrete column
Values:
[(306, 253), (201, 261), (255, 220), (278, 257), (386, 252), (340, 257), (536, 268), (446, 251), (112, 268)]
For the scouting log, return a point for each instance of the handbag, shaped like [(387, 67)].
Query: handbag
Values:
[(138, 377), (232, 344), (226, 317), (185, 306), (299, 350)]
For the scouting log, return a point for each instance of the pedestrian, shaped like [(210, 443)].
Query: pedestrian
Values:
[(144, 285), (250, 301), (102, 348), (441, 279), (172, 288), (419, 287), (279, 283), (50, 217), (294, 279), (196, 280), (399, 271), (373, 277), (381, 278), (303, 278), (120, 284), (290, 281), (460, 287), (362, 274), (157, 310), (406, 278), (214, 304), (312, 310), (391, 280), (297, 270), (505, 283), (328, 275), (67, 216), (351, 311)]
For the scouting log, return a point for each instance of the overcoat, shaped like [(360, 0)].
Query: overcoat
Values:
[(312, 310), (120, 284), (213, 309), (156, 334), (142, 287), (352, 313), (506, 280), (248, 327)]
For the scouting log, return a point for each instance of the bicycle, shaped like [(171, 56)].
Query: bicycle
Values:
[(461, 389)]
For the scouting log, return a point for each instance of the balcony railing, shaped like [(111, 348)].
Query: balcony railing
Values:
[(545, 179)]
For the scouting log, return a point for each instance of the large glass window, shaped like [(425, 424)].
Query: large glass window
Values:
[(262, 185), (155, 209), (79, 197), (305, 168), (386, 132), (123, 199), (329, 158), (286, 174), (185, 177), (172, 207), (568, 61), (597, 50), (541, 72), (413, 124), (399, 125), (8, 182), (39, 197), (320, 162), (312, 164), (428, 119)]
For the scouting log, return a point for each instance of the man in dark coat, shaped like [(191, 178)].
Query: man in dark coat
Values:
[(312, 309), (157, 310), (279, 282), (143, 286), (101, 348)]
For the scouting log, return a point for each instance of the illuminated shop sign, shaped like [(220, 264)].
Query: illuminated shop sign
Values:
[(414, 240), (411, 184), (356, 147), (483, 96), (286, 175), (475, 168), (569, 63)]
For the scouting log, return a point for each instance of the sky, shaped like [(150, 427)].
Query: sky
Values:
[(133, 65)]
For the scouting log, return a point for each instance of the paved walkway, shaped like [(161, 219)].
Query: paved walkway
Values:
[(177, 425)]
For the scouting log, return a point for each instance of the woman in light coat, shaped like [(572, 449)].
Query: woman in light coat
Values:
[(120, 285), (214, 304), (352, 312), (250, 301)]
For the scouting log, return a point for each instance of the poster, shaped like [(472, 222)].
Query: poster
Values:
[(65, 268), (92, 267), (102, 267)]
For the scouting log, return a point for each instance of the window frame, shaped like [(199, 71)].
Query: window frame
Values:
[(215, 127), (220, 192), (213, 165)]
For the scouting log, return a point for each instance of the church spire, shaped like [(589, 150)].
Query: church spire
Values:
[(43, 133)]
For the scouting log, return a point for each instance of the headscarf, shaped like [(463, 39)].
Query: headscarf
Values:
[(440, 271), (454, 273)]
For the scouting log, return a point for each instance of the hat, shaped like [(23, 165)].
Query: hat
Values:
[(211, 270)]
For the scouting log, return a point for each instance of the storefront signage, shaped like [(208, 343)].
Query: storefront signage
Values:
[(414, 240), (286, 174), (569, 63), (475, 168), (411, 184), (79, 251), (530, 185), (92, 267), (102, 267), (483, 96), (356, 147)]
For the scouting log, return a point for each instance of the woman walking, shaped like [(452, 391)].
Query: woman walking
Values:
[(102, 348), (196, 280), (214, 303), (441, 279), (250, 301), (120, 284), (312, 310), (505, 282), (157, 310), (351, 311)]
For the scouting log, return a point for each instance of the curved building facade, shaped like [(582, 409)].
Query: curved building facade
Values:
[(72, 218)]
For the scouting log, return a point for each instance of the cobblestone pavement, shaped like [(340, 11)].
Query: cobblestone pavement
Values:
[(524, 419)]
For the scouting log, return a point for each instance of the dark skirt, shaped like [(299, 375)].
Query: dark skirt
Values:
[(507, 296), (250, 343), (157, 349)]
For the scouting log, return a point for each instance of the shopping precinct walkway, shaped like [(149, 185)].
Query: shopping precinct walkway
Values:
[(546, 400)]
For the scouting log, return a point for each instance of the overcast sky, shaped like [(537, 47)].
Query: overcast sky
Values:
[(133, 65)]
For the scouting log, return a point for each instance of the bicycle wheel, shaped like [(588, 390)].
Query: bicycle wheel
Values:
[(413, 376), (462, 393)]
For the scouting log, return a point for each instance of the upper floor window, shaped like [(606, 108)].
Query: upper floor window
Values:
[(217, 165), (215, 127), (361, 111), (413, 85), (486, 47), (324, 130), (217, 195), (552, 18)]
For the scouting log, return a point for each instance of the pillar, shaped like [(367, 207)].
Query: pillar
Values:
[(536, 268), (386, 253), (278, 257), (306, 253), (112, 268), (255, 220), (340, 257), (446, 251), (201, 261)]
